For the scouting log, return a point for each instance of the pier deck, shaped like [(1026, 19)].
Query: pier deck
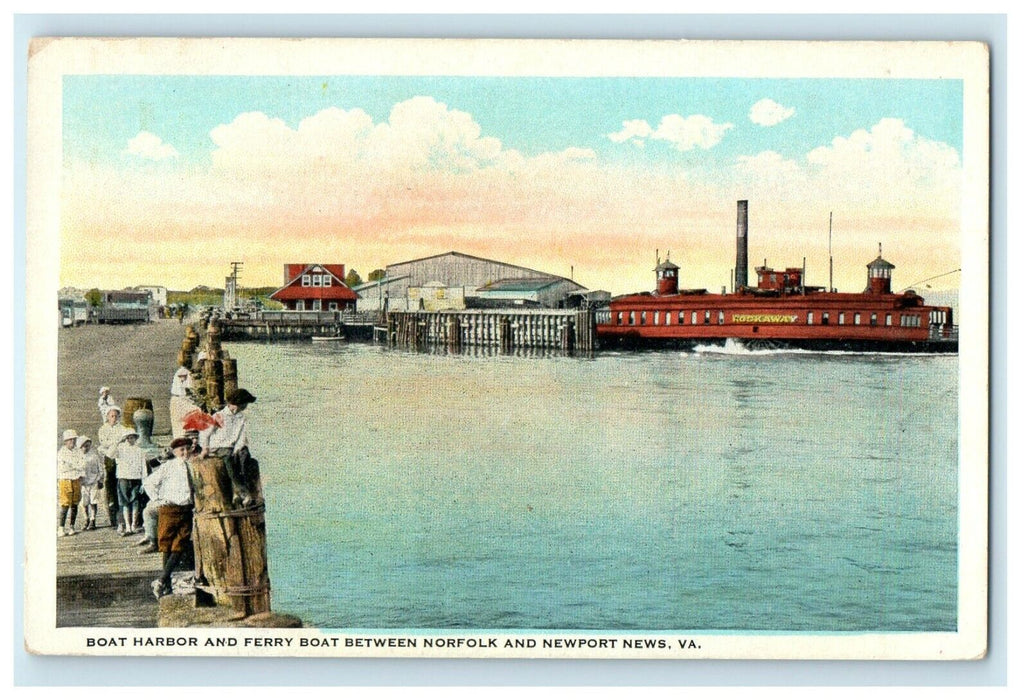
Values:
[(103, 580)]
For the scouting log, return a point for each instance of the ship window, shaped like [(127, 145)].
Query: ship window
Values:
[(642, 318), (631, 318), (874, 319), (720, 317), (856, 319), (706, 317), (305, 281), (842, 319), (694, 318), (667, 318), (656, 318), (824, 318), (681, 317), (617, 318), (888, 319), (810, 317)]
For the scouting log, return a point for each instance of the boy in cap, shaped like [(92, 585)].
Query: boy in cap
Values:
[(170, 486), (105, 402), (69, 483), (92, 479), (227, 439), (109, 435), (130, 461)]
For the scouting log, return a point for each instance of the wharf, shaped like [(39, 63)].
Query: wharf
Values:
[(568, 330), (298, 325), (103, 580)]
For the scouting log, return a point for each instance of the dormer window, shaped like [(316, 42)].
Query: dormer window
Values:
[(305, 281)]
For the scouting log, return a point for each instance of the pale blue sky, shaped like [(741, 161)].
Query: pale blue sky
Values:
[(532, 115)]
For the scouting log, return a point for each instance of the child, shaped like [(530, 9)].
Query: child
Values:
[(227, 439), (109, 435), (69, 483), (170, 485), (105, 402), (92, 467), (130, 461)]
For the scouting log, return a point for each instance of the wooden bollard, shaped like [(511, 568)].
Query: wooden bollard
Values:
[(215, 383), (230, 546), (230, 381)]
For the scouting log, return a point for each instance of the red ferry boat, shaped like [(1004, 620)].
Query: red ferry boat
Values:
[(781, 311)]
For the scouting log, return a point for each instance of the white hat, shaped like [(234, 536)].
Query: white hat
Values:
[(82, 440), (114, 408), (181, 372), (126, 436), (69, 435), (103, 389)]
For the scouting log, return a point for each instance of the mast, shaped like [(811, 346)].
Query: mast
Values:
[(831, 288)]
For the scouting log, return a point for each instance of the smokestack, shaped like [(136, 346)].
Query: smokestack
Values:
[(742, 276)]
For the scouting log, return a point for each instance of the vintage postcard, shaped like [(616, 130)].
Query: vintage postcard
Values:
[(481, 348)]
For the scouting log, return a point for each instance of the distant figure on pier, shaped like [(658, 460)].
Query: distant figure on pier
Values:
[(170, 486), (108, 437), (180, 404), (92, 463), (69, 483), (105, 402), (130, 460), (227, 440)]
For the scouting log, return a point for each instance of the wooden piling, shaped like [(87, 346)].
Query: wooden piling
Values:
[(214, 380), (230, 545), (230, 380)]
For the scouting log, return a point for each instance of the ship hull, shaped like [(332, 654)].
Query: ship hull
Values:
[(636, 341)]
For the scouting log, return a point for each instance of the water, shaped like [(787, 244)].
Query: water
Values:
[(645, 491)]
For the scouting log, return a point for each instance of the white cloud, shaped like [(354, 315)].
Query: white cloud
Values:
[(149, 146), (684, 133), (632, 129), (767, 112), (694, 131)]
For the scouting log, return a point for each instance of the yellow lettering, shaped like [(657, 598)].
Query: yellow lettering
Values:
[(763, 318)]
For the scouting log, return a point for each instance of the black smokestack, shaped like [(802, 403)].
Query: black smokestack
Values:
[(742, 277)]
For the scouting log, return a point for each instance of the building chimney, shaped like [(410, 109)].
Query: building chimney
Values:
[(741, 244)]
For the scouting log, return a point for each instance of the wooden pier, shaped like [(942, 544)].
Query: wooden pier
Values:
[(299, 325), (567, 330), (103, 580)]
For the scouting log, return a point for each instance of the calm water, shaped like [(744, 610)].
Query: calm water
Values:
[(663, 491)]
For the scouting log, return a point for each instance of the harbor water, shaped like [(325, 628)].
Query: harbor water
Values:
[(711, 490)]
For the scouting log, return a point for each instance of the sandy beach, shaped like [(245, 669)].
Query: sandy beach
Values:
[(133, 360)]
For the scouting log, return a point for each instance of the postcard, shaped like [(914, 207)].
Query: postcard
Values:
[(507, 348)]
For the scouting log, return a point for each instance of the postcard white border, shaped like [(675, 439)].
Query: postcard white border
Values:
[(964, 60)]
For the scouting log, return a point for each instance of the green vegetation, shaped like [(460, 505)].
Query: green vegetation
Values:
[(94, 297), (353, 278), (197, 296), (205, 296), (376, 275)]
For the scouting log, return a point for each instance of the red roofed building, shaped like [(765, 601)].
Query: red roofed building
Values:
[(315, 287)]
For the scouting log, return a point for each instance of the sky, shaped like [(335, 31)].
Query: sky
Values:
[(168, 179)]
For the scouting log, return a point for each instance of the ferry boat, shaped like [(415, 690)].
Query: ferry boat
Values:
[(781, 311)]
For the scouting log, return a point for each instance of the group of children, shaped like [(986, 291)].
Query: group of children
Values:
[(152, 497)]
